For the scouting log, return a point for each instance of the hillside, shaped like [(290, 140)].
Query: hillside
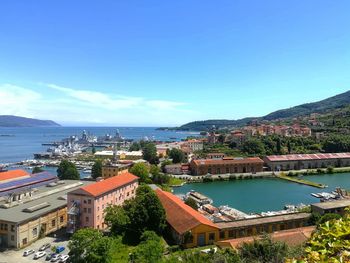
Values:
[(16, 121), (336, 102)]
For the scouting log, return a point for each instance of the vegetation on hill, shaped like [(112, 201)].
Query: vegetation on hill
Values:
[(17, 121), (322, 107)]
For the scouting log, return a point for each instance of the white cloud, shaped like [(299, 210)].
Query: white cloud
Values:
[(85, 107), (16, 100)]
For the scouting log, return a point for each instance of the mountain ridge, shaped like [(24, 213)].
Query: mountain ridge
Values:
[(18, 121), (322, 106)]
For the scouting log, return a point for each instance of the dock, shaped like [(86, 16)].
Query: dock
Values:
[(301, 181)]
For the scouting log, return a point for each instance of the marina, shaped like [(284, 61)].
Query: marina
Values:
[(264, 194)]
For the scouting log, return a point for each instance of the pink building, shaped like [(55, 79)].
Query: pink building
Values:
[(86, 205)]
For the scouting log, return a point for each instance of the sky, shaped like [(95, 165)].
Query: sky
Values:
[(165, 63)]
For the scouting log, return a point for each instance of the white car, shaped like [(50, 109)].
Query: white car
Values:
[(64, 258), (55, 257), (39, 254), (28, 252)]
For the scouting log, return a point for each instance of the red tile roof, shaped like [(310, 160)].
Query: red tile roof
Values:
[(179, 215), (106, 185), (292, 237), (300, 157), (12, 174), (228, 161)]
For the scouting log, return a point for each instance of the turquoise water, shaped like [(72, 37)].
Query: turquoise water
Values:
[(266, 194)]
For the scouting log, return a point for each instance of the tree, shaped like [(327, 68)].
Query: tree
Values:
[(37, 170), (176, 155), (67, 170), (164, 163), (221, 138), (154, 170), (150, 250), (279, 146), (149, 152), (135, 146), (117, 219), (93, 149), (96, 170), (192, 203), (254, 147), (142, 171), (330, 243), (89, 245), (264, 251), (289, 146)]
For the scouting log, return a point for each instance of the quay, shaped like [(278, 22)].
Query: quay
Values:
[(300, 181)]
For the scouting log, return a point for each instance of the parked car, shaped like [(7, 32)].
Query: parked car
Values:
[(55, 257), (59, 249), (49, 256), (64, 258), (28, 252), (39, 254), (44, 247)]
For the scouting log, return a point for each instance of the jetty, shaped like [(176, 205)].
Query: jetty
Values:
[(300, 181)]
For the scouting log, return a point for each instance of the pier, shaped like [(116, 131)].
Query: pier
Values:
[(300, 181)]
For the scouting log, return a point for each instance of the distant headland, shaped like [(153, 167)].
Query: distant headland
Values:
[(17, 121)]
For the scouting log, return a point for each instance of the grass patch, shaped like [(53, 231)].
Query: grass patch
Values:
[(175, 181)]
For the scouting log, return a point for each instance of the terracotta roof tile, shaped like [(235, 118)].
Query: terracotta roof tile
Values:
[(228, 161), (179, 215), (12, 174), (106, 185), (292, 237)]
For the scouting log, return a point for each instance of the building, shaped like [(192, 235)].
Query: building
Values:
[(292, 237), (215, 155), (13, 175), (86, 205), (112, 169), (121, 155), (257, 226), (226, 165), (173, 168), (195, 145), (188, 227), (306, 161), (336, 207), (42, 212), (18, 183)]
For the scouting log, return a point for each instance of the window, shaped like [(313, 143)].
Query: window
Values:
[(24, 241), (12, 228), (61, 219), (227, 170), (98, 217), (5, 227), (211, 236), (53, 223), (35, 232), (231, 233), (222, 234), (89, 210), (12, 238), (89, 201), (85, 209), (103, 206), (87, 219), (84, 201), (98, 208)]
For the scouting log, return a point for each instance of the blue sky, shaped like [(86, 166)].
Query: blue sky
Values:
[(150, 63)]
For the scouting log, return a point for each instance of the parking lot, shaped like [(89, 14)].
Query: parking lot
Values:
[(16, 256)]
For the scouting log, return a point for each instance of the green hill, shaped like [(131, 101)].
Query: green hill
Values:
[(16, 121), (336, 102)]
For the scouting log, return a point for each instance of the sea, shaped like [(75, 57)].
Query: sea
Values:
[(18, 144)]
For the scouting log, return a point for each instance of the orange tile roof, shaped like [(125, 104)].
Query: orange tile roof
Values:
[(12, 174), (292, 237), (179, 215), (104, 186), (228, 161)]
